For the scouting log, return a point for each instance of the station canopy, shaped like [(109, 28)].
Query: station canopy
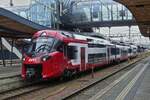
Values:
[(14, 26), (141, 11)]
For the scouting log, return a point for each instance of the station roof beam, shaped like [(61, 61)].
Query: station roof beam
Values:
[(14, 26), (140, 9)]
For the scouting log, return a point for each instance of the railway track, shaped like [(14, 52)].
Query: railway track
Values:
[(9, 80), (14, 85), (64, 90), (9, 76), (9, 94)]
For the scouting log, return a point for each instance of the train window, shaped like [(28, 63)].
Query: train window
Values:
[(130, 50), (59, 46), (89, 40), (113, 51), (117, 51), (100, 46), (95, 58), (41, 44), (71, 52), (96, 46), (123, 52)]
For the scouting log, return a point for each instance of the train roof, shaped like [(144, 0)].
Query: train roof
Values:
[(94, 34), (91, 38), (94, 40)]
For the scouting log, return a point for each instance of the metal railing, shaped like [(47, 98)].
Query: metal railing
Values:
[(11, 49)]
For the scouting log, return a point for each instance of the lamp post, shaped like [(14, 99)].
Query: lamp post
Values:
[(11, 3)]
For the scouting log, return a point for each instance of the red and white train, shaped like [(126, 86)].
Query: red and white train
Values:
[(58, 53)]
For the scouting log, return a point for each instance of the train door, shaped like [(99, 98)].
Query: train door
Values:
[(115, 52), (82, 56), (108, 54)]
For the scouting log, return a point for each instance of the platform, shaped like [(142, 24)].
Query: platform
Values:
[(133, 85), (15, 26), (10, 71), (139, 87), (143, 91)]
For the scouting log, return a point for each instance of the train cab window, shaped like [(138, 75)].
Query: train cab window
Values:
[(41, 44), (60, 46)]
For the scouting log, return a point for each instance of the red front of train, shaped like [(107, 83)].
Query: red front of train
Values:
[(45, 58)]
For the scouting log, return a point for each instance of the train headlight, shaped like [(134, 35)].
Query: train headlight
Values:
[(23, 58), (45, 58)]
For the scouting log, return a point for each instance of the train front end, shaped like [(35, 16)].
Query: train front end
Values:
[(40, 61)]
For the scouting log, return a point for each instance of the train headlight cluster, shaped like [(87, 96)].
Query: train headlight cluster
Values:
[(45, 58), (23, 58)]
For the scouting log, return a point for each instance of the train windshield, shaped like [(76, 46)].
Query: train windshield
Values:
[(41, 45)]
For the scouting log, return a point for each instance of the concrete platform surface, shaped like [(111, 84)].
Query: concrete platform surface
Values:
[(143, 91), (10, 71), (133, 85)]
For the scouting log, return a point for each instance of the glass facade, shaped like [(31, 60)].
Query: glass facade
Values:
[(87, 11), (43, 12), (46, 12)]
